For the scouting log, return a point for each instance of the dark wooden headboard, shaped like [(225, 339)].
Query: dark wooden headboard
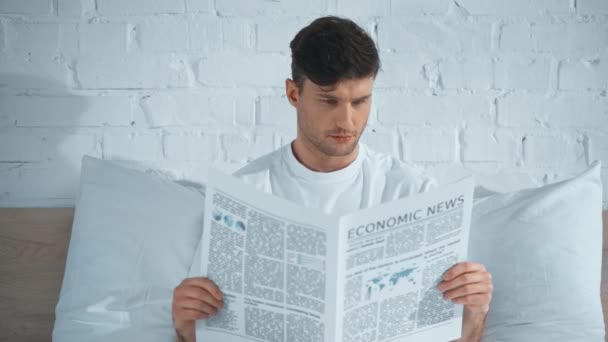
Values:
[(33, 249)]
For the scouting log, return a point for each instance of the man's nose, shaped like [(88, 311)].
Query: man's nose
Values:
[(345, 118)]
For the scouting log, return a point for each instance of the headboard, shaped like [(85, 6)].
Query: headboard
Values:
[(33, 249)]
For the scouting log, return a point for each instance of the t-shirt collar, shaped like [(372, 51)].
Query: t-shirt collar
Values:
[(301, 171)]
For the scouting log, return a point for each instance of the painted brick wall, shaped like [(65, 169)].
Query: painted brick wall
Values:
[(512, 90)]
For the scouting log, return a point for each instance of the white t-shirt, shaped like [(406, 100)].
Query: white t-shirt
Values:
[(372, 178)]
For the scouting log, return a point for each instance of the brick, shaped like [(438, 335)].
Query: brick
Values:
[(276, 110), (594, 7), (488, 144), (211, 34), (553, 149), (32, 38), (2, 35), (237, 35), (244, 111), (263, 143), (472, 73), (71, 146), (191, 147), (363, 8), (190, 109), (543, 37), (584, 74), (26, 6), (598, 147), (515, 7), (45, 184), (401, 71), (244, 70), (269, 39), (437, 37), (6, 112), (200, 6), (254, 8), (132, 72), (422, 109), (240, 147), (604, 175), (103, 39), (429, 144), (163, 35), (205, 33), (236, 146), (37, 72), (286, 135), (68, 41), (71, 111), (30, 146), (69, 8), (522, 73), (41, 40), (139, 7), (530, 110), (132, 145), (380, 139), (419, 7)]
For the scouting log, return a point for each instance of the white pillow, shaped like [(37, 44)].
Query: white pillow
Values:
[(543, 247), (133, 239)]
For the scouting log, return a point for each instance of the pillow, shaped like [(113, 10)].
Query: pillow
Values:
[(543, 247), (133, 239)]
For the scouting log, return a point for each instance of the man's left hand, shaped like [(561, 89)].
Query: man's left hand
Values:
[(470, 284)]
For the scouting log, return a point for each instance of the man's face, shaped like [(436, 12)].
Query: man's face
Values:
[(331, 119)]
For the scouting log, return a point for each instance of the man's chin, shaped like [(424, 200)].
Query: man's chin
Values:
[(339, 149)]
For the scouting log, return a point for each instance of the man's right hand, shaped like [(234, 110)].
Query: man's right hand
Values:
[(193, 299)]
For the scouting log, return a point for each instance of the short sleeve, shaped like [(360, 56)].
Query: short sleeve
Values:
[(428, 183)]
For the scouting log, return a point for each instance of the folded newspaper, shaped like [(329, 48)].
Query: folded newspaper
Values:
[(295, 274)]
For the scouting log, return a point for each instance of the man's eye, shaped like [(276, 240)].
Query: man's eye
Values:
[(331, 102)]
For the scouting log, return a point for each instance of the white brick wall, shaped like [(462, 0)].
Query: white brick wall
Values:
[(515, 91)]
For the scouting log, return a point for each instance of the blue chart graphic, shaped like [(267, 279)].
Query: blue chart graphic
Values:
[(228, 220), (400, 280)]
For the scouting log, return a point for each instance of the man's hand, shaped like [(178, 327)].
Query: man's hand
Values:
[(469, 283), (193, 299)]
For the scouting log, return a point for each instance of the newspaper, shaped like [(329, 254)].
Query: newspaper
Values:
[(296, 274)]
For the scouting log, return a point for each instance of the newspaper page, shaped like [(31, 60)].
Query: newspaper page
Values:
[(392, 260), (297, 274), (270, 257)]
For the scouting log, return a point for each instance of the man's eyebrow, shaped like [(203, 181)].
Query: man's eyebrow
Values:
[(331, 97)]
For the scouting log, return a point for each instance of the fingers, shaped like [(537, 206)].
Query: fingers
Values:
[(197, 305), (462, 267), (468, 289), (468, 283), (206, 284), (196, 298), (474, 299), (466, 278), (200, 294)]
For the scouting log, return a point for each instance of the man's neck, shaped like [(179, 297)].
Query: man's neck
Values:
[(317, 161)]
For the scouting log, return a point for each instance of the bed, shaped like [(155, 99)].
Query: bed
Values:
[(33, 250)]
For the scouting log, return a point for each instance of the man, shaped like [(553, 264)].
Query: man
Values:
[(334, 65)]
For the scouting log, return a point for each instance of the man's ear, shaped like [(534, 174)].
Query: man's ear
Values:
[(292, 92)]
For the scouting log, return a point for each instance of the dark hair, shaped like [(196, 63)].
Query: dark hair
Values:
[(331, 49)]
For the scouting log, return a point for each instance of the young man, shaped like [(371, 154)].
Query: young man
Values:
[(334, 64)]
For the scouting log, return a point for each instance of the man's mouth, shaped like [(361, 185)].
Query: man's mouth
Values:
[(341, 138)]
